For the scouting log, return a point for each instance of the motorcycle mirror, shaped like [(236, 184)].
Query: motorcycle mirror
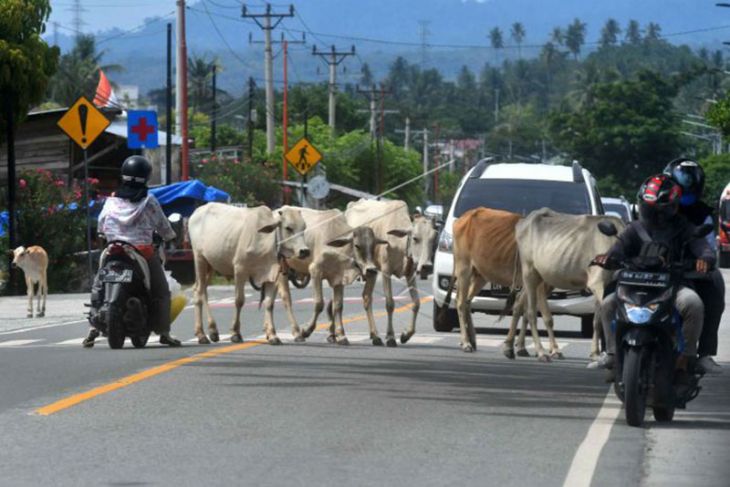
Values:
[(703, 230), (607, 228), (174, 217)]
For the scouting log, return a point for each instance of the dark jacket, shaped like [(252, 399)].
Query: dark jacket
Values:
[(673, 236), (698, 213)]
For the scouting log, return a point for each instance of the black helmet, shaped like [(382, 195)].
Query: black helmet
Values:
[(658, 200), (690, 176), (136, 169)]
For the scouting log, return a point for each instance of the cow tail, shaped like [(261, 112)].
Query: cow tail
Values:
[(447, 300), (262, 294), (514, 291)]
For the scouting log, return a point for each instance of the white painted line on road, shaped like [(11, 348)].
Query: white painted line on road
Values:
[(425, 340), (41, 327), (17, 343), (586, 457)]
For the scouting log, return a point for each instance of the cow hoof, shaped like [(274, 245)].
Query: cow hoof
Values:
[(343, 341), (236, 338), (466, 347), (557, 355), (299, 338), (508, 351), (331, 339), (377, 341), (274, 341), (594, 356), (203, 340), (522, 352), (306, 333), (405, 337), (390, 342), (41, 314), (214, 336), (543, 358)]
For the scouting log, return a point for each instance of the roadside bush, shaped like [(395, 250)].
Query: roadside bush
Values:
[(250, 183), (52, 214)]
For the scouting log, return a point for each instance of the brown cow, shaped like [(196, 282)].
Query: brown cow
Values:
[(34, 262)]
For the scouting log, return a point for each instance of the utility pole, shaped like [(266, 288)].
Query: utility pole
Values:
[(371, 94), (168, 109), (333, 58), (407, 132), (424, 133), (77, 9), (496, 105), (181, 97), (436, 160), (267, 27), (10, 142), (285, 128), (423, 25), (214, 113), (251, 88)]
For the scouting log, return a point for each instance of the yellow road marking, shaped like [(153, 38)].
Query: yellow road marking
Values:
[(161, 369)]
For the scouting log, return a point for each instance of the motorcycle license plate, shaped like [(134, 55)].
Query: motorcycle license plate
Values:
[(123, 276), (658, 279)]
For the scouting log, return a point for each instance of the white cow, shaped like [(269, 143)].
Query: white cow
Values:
[(339, 254), (242, 243), (555, 251), (422, 244), (34, 262), (391, 222)]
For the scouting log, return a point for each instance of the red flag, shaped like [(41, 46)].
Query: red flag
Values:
[(105, 96)]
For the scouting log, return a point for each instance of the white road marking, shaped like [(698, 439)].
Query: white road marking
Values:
[(42, 327), (17, 343), (586, 457)]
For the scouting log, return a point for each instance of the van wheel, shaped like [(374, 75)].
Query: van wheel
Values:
[(444, 319), (586, 326)]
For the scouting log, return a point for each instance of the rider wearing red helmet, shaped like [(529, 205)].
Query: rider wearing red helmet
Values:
[(660, 222)]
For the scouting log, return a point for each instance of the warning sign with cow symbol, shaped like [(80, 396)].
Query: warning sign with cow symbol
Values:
[(303, 156), (83, 122)]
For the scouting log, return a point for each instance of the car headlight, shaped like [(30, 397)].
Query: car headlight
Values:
[(446, 242), (640, 314)]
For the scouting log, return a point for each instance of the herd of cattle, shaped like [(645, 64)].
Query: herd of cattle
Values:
[(532, 255)]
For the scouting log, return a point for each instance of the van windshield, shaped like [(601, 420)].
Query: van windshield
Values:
[(523, 196)]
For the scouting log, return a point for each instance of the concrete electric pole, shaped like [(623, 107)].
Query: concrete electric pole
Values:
[(333, 58)]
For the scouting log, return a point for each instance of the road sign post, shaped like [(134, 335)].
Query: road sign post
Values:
[(303, 156), (142, 129), (83, 123)]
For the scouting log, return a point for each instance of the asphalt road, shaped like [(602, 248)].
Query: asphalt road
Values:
[(315, 413)]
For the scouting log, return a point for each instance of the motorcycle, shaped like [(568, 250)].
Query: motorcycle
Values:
[(122, 308), (648, 331)]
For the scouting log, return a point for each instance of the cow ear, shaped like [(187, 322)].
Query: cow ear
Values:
[(399, 233), (340, 242), (379, 241), (269, 228)]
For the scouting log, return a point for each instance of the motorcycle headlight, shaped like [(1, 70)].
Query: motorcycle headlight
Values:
[(640, 314), (446, 242)]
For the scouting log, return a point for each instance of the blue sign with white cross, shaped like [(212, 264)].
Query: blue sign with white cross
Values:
[(142, 129)]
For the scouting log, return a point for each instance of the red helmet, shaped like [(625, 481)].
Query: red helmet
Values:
[(658, 199)]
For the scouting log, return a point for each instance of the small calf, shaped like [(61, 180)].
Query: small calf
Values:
[(34, 262)]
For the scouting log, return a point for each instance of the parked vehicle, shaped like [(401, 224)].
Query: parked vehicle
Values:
[(723, 234), (647, 332), (519, 188), (619, 207)]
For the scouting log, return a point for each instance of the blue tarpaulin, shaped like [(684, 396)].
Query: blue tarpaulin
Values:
[(185, 196)]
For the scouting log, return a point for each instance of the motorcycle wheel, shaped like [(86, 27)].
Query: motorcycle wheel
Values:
[(115, 327), (634, 396), (140, 341), (664, 415)]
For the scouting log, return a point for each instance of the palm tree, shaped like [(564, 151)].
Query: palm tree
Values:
[(633, 32), (497, 42), (200, 71), (610, 33), (557, 36), (518, 35), (78, 71), (575, 37), (653, 31)]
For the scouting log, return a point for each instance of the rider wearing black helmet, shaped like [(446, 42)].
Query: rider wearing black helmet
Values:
[(691, 177), (133, 215), (660, 221)]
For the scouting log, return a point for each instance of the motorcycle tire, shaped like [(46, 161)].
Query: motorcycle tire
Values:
[(140, 341), (634, 396), (664, 415), (115, 327)]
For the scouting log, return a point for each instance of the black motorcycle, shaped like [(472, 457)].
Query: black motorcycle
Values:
[(648, 331), (121, 307)]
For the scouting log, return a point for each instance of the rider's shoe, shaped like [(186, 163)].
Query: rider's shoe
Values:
[(167, 339), (89, 340), (681, 382), (606, 361), (707, 365)]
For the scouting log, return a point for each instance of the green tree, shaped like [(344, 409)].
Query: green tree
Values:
[(200, 72), (633, 32), (610, 33), (627, 128), (366, 75), (557, 36), (518, 35), (26, 61), (497, 42), (717, 176), (575, 37), (653, 32), (78, 71)]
